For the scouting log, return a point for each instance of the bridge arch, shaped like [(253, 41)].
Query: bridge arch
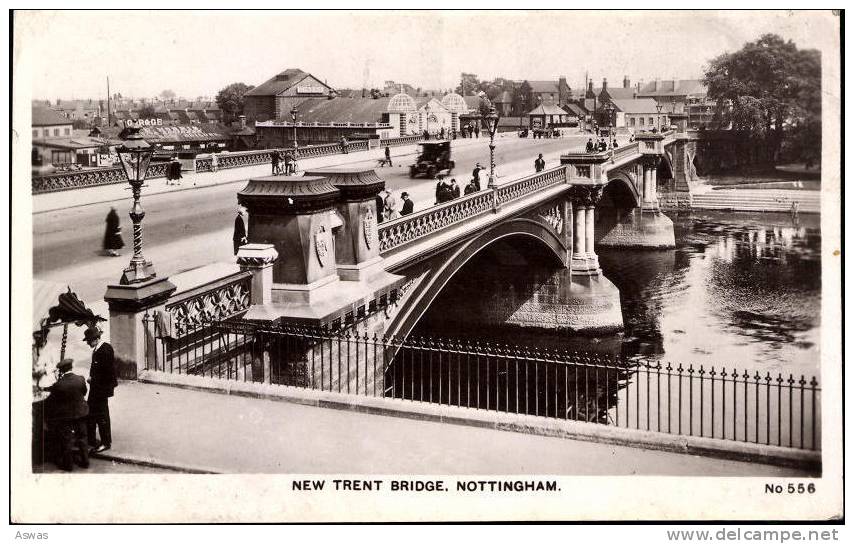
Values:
[(444, 271)]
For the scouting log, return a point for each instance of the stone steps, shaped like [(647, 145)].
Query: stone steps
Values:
[(757, 200)]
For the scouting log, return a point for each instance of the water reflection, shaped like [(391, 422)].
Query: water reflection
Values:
[(739, 290)]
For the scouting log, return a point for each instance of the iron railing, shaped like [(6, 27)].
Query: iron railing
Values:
[(716, 402), (64, 181), (105, 176)]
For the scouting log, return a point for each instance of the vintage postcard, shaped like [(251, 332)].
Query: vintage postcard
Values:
[(380, 266)]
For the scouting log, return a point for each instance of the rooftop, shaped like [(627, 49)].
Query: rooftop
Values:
[(674, 87), (279, 83), (44, 117)]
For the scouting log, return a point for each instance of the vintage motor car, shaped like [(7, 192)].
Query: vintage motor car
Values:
[(434, 158)]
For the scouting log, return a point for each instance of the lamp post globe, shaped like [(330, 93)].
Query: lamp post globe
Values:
[(492, 126), (135, 156), (294, 113)]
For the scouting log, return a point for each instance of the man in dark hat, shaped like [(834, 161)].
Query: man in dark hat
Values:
[(66, 411), (454, 189), (540, 163), (274, 162), (408, 205), (102, 382), (476, 175), (591, 147), (239, 236)]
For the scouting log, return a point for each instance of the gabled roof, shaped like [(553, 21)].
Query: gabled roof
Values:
[(44, 117), (637, 105), (677, 87), (279, 83)]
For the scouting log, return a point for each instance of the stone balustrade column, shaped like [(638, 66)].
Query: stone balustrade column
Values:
[(646, 182), (590, 217), (579, 240)]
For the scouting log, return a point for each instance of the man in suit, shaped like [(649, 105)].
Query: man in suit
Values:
[(540, 163), (102, 382), (455, 189), (475, 174), (239, 236), (66, 411), (408, 205), (380, 204)]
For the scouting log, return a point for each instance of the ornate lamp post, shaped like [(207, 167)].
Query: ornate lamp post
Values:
[(135, 155), (658, 107), (427, 117), (492, 126), (612, 122), (294, 121)]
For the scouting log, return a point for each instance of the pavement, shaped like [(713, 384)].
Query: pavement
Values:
[(167, 427)]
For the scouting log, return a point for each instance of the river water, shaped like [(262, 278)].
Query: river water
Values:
[(739, 289)]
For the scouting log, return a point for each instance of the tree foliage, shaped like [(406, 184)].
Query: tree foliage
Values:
[(230, 100), (770, 91), (167, 94)]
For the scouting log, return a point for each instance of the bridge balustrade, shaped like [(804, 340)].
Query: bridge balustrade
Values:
[(718, 403), (399, 232)]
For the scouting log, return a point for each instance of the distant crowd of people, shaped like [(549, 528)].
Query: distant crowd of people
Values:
[(601, 145)]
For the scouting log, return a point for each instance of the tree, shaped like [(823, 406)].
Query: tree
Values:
[(146, 112), (469, 85), (770, 92), (230, 100), (523, 99), (167, 94)]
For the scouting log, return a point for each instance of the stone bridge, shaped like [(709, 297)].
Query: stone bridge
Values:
[(318, 256)]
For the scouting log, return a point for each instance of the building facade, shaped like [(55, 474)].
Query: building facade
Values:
[(275, 98)]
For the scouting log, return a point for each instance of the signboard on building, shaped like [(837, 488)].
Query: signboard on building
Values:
[(310, 89), (154, 122)]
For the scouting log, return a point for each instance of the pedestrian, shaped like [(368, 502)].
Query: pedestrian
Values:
[(102, 383), (440, 191), (602, 145), (286, 160), (476, 175), (454, 189), (442, 133), (614, 144), (380, 203), (113, 234), (387, 156), (214, 162), (477, 130), (408, 205), (66, 412), (173, 171), (540, 163), (470, 188), (239, 236), (274, 161), (391, 207), (343, 145), (795, 211), (590, 145)]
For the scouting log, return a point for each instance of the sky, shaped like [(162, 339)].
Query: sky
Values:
[(63, 54)]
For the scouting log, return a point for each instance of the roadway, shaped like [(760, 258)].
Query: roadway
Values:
[(191, 228)]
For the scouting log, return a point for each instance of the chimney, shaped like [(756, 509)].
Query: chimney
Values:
[(675, 83), (657, 86), (626, 82), (590, 86), (604, 83)]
